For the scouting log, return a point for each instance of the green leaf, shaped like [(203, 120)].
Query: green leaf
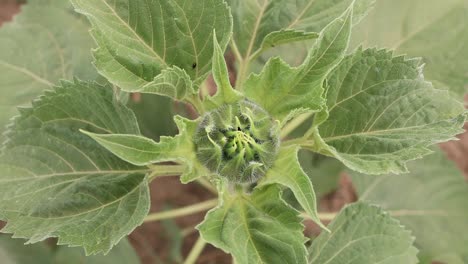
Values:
[(172, 82), (288, 172), (381, 113), (277, 38), (443, 45), (13, 251), (36, 50), (364, 234), (258, 22), (257, 228), (435, 30), (296, 88), (225, 92), (140, 151), (121, 253), (430, 201), (57, 182), (138, 39)]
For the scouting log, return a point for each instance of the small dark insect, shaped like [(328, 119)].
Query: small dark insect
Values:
[(194, 65)]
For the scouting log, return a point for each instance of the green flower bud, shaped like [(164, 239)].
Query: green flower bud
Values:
[(237, 141)]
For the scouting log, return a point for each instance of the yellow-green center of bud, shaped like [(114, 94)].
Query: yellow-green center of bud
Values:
[(237, 141)]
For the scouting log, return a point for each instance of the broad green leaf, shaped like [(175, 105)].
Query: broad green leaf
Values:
[(257, 22), (172, 82), (140, 151), (430, 201), (57, 182), (364, 234), (381, 113), (225, 92), (121, 253), (435, 30), (13, 251), (42, 45), (137, 39), (256, 228), (288, 172), (301, 87)]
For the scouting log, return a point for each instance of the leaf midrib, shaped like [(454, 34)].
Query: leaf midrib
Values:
[(27, 72), (153, 52)]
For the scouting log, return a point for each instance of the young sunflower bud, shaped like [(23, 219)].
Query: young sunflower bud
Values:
[(237, 141)]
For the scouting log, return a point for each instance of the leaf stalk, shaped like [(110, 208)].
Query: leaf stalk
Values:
[(188, 210)]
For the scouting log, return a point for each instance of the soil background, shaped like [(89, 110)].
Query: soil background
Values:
[(153, 242)]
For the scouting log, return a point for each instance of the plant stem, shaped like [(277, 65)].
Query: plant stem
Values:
[(235, 50), (196, 251), (197, 104), (205, 183), (191, 209), (322, 216), (165, 170), (293, 124)]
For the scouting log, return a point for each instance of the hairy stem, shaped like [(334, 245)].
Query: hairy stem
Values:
[(207, 184), (192, 209), (196, 251), (293, 124), (235, 50), (197, 104), (165, 170)]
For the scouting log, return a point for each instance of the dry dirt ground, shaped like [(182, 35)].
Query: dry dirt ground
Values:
[(153, 242)]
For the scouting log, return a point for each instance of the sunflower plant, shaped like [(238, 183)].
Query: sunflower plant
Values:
[(76, 166)]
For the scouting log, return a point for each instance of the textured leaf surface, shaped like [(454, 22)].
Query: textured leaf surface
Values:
[(57, 182), (139, 150), (288, 172), (172, 82), (430, 201), (435, 30), (381, 113), (259, 228), (363, 234), (295, 88), (42, 45), (139, 38), (259, 20)]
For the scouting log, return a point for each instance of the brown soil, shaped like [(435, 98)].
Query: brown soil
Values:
[(153, 243)]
